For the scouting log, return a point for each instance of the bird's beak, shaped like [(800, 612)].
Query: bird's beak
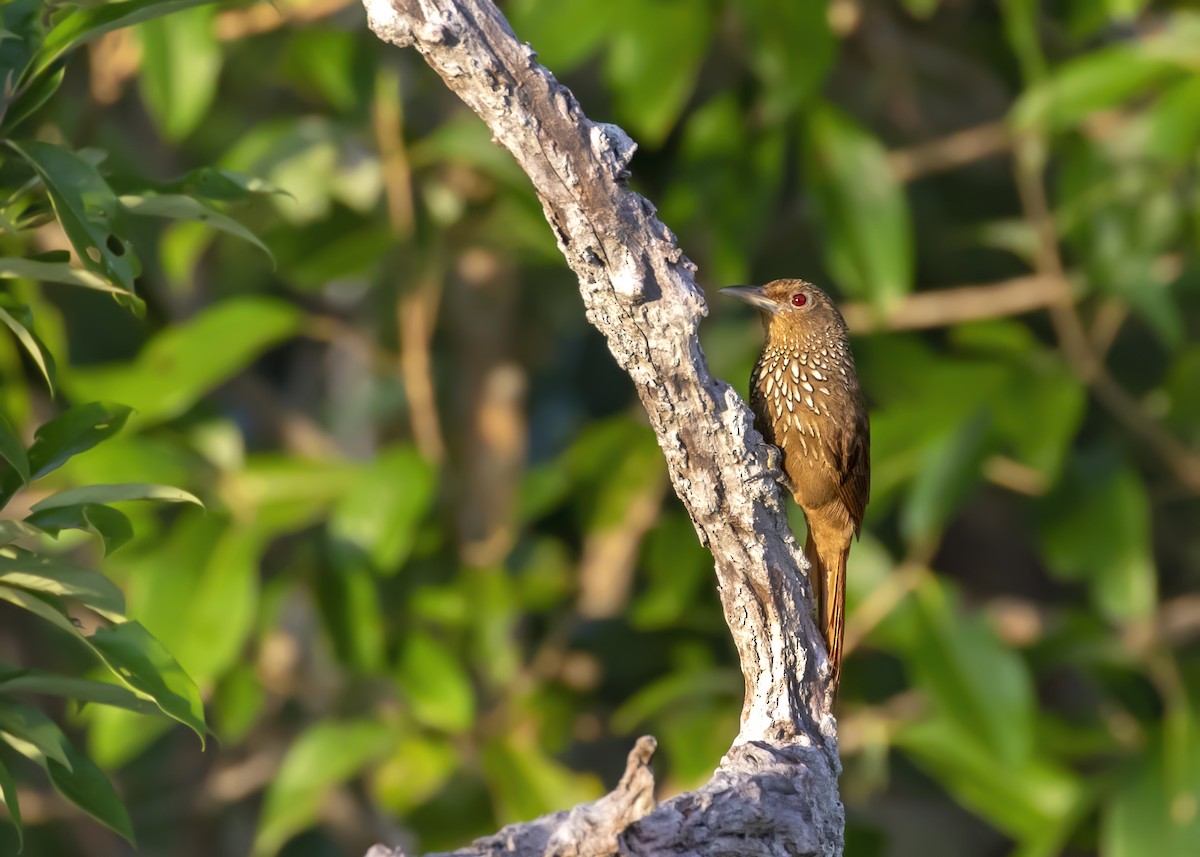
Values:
[(752, 295)]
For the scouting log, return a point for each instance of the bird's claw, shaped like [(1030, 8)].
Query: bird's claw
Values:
[(773, 460)]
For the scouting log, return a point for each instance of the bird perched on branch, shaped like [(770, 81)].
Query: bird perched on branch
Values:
[(806, 401)]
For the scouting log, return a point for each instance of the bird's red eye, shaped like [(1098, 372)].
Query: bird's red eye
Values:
[(799, 299)]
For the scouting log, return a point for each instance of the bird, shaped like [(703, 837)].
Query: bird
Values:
[(807, 401)]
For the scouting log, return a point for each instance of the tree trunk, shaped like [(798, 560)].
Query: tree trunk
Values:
[(775, 791)]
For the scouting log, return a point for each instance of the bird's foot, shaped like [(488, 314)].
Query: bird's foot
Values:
[(773, 460)]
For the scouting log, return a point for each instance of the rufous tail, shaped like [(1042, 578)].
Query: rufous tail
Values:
[(827, 575)]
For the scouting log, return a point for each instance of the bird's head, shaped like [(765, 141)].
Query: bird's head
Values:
[(790, 307)]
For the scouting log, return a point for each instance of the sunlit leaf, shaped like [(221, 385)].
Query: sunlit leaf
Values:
[(22, 328), (115, 494), (60, 272), (141, 662), (181, 60), (435, 684), (133, 656), (75, 430), (380, 515), (319, 760), (43, 574), (8, 790), (180, 365)]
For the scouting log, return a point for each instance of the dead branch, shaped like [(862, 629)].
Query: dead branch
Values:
[(775, 791)]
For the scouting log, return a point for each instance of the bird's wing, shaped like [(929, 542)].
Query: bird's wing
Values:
[(853, 457)]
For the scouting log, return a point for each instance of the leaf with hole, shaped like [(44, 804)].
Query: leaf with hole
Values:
[(87, 209)]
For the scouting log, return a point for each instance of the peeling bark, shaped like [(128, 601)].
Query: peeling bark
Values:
[(775, 791)]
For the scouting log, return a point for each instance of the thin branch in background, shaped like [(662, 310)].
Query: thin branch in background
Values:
[(1085, 362), (416, 314), (234, 24), (951, 152), (945, 307)]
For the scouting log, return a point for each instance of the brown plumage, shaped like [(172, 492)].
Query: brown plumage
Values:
[(806, 400)]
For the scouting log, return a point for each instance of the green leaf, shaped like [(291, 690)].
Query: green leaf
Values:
[(868, 234), (144, 665), (78, 689), (654, 60), (33, 734), (13, 451), (552, 29), (435, 684), (43, 574), (222, 604), (526, 783), (23, 329), (1096, 527), (348, 597), (381, 515), (111, 526), (8, 790), (61, 272), (1034, 801), (88, 22), (325, 756), (416, 770), (87, 209), (75, 430), (950, 467), (11, 531), (981, 686), (115, 494), (791, 49), (210, 183), (31, 98), (1153, 810), (135, 657), (86, 786), (186, 208), (1100, 80), (180, 364), (181, 60)]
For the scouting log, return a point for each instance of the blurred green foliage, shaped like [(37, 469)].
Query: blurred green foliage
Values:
[(440, 583)]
